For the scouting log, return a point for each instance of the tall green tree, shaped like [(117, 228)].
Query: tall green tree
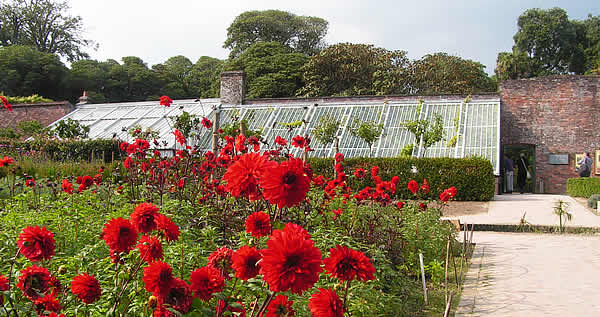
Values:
[(175, 72), (441, 73), (206, 75), (516, 65), (304, 34), (591, 42), (45, 25), (272, 69), (26, 71), (356, 69), (91, 76)]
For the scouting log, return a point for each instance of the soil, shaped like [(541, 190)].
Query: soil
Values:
[(463, 208)]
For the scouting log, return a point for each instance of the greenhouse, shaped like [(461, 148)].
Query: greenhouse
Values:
[(471, 128)]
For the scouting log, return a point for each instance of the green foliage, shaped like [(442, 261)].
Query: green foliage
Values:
[(303, 34), (368, 131), (272, 69), (29, 99), (186, 123), (430, 133), (326, 130), (23, 129), (473, 177), (206, 76), (64, 150), (348, 69), (561, 210), (71, 129), (583, 186), (407, 150), (515, 65), (593, 201), (441, 73), (44, 25)]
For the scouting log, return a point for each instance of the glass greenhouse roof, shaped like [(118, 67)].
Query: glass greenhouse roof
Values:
[(470, 129)]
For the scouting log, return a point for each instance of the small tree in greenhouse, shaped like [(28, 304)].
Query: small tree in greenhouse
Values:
[(326, 131), (368, 131)]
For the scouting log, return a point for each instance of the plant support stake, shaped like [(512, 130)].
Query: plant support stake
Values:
[(423, 278)]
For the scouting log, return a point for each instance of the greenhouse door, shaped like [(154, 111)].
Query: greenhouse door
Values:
[(513, 152)]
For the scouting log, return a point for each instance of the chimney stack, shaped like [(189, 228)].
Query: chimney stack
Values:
[(84, 99), (233, 87)]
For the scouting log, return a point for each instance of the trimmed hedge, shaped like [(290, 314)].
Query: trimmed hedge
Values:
[(64, 150), (473, 177), (583, 186)]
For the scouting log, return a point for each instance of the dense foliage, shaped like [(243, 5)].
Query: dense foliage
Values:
[(64, 150), (583, 186)]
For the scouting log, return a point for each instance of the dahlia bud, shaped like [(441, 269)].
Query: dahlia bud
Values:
[(62, 270), (152, 301)]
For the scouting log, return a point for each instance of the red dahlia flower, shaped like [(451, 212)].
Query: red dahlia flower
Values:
[(326, 303), (7, 105), (245, 262), (347, 264), (280, 307), (143, 217), (206, 123), (258, 224), (7, 160), (150, 248), (452, 191), (413, 186), (86, 287), (425, 187), (298, 141), (206, 281), (359, 173), (179, 296), (290, 261), (339, 157), (400, 205), (179, 137), (285, 185), (240, 143), (445, 196), (46, 303), (158, 278), (242, 176), (30, 183), (220, 259), (34, 281), (4, 286), (87, 181), (36, 243), (120, 235), (281, 141), (165, 101), (166, 228)]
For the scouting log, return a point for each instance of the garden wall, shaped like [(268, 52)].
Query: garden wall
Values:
[(557, 114), (45, 113)]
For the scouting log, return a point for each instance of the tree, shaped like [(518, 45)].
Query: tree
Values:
[(551, 38), (441, 73), (356, 69), (272, 70), (368, 131), (591, 42), (326, 131), (131, 81), (426, 133), (516, 65), (206, 75), (175, 72), (303, 34), (91, 76), (45, 25), (26, 71)]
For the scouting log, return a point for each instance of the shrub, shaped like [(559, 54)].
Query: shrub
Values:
[(593, 201), (473, 177), (583, 186), (63, 150)]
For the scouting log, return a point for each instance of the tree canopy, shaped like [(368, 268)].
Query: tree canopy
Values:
[(45, 25), (304, 34)]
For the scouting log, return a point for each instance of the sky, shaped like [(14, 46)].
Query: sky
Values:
[(156, 30)]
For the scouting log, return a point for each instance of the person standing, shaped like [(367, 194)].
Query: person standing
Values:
[(522, 165), (585, 165), (509, 166)]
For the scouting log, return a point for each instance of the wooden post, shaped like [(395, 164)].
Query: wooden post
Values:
[(446, 274), (242, 128), (336, 145), (103, 156), (112, 158), (215, 130), (423, 277), (448, 305), (92, 156)]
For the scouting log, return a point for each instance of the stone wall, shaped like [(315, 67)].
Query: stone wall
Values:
[(557, 114), (46, 113), (233, 87)]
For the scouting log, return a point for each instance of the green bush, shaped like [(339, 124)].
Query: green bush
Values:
[(593, 201), (64, 150), (473, 177), (583, 186)]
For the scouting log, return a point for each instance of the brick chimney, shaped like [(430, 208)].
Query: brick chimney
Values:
[(233, 87), (84, 99)]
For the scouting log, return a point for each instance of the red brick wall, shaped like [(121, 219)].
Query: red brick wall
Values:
[(558, 114), (45, 113)]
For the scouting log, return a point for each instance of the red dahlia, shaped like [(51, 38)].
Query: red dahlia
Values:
[(36, 243), (298, 141), (7, 160), (285, 185), (7, 105), (158, 278), (280, 307), (339, 157), (325, 303), (120, 235), (242, 176), (33, 281), (258, 224), (413, 186), (166, 228), (281, 141), (165, 101), (425, 187), (347, 264), (150, 248), (245, 262), (179, 296), (452, 191), (86, 287), (400, 205), (445, 196), (4, 286), (359, 173), (179, 137), (143, 217), (290, 261), (206, 123), (220, 259), (206, 281), (47, 303)]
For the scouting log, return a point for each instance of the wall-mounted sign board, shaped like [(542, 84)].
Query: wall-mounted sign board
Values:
[(597, 164), (558, 159)]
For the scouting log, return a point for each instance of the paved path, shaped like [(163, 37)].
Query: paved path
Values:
[(516, 274), (539, 209)]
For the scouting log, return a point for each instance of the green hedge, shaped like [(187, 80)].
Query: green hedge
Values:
[(64, 150), (583, 186), (473, 177)]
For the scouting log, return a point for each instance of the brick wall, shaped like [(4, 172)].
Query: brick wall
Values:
[(557, 114), (45, 113), (233, 87)]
